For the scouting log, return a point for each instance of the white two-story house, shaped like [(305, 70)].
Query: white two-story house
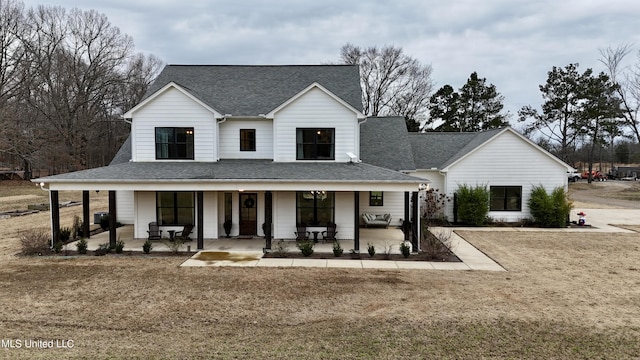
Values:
[(264, 147)]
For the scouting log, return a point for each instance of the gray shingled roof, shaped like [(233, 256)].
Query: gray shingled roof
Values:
[(244, 90), (124, 153), (236, 170), (384, 142), (441, 149)]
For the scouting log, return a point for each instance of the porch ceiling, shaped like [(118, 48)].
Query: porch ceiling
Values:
[(235, 175)]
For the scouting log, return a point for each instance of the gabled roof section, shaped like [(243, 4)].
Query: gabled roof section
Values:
[(441, 150), (315, 85), (150, 96), (384, 142), (251, 90), (124, 153)]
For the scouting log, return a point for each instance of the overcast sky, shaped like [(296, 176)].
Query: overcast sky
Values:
[(511, 43)]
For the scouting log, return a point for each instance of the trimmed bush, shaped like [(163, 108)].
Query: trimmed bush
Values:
[(473, 204), (549, 210), (371, 249), (306, 247), (119, 246), (81, 245), (405, 249), (337, 249), (147, 246)]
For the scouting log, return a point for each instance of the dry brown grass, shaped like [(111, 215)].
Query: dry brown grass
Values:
[(565, 296)]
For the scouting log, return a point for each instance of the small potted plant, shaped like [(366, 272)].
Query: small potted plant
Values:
[(227, 227)]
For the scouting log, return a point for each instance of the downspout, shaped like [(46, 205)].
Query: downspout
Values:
[(50, 212), (219, 121)]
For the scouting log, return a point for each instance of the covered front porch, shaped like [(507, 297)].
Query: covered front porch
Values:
[(379, 237), (276, 197)]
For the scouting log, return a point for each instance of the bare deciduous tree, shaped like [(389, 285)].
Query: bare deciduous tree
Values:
[(628, 84), (81, 74), (393, 83)]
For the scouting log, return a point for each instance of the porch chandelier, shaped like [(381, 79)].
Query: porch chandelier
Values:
[(319, 194)]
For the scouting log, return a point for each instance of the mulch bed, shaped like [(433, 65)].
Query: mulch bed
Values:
[(296, 254)]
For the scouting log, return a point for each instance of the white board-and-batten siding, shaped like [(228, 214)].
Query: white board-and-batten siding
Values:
[(173, 108), (507, 160), (315, 109), (229, 144)]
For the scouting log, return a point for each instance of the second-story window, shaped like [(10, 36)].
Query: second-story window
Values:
[(174, 143), (247, 139), (315, 144)]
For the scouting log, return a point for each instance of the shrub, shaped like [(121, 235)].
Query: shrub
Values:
[(405, 249), (337, 248), (473, 204), (147, 246), (119, 246), (371, 249), (434, 204), (82, 245), (57, 247), (280, 249), (174, 245), (102, 249), (386, 250), (306, 247), (34, 241), (65, 234), (549, 210), (436, 246)]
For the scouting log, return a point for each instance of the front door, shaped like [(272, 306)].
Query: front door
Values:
[(248, 213)]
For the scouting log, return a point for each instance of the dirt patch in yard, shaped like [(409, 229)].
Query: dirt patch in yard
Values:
[(612, 194)]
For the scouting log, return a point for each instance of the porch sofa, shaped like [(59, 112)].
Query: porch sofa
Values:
[(376, 220)]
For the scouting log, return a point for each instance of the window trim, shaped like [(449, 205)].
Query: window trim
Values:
[(172, 146), (314, 153), (248, 144), (175, 208), (506, 199), (373, 200)]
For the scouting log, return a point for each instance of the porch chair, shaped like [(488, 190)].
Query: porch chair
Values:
[(184, 234), (330, 233), (154, 231), (301, 232)]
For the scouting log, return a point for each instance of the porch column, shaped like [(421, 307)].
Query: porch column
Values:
[(415, 223), (268, 218), (406, 223), (356, 221), (200, 219), (54, 202), (86, 220), (112, 218)]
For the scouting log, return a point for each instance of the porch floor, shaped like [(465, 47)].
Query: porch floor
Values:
[(378, 237), (251, 249)]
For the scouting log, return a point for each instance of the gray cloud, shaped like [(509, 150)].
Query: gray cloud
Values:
[(511, 43)]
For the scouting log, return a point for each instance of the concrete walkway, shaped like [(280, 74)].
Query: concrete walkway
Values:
[(472, 259)]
